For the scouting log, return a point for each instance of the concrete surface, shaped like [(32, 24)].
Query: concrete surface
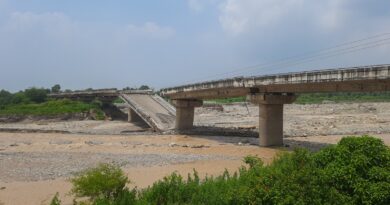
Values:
[(364, 78), (159, 116)]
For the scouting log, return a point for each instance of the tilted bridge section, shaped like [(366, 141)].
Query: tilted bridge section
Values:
[(142, 105)]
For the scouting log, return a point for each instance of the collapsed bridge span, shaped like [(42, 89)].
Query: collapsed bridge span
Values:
[(142, 105)]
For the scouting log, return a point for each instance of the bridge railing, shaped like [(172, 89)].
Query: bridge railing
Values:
[(325, 75)]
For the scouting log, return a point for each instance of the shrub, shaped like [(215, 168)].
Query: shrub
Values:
[(49, 108), (292, 178), (105, 182), (357, 168), (37, 95), (19, 97), (172, 189), (55, 200), (5, 98), (355, 171)]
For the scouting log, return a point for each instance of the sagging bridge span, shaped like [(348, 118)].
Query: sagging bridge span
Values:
[(271, 92), (143, 105)]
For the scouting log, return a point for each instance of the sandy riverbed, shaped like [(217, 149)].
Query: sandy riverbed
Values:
[(34, 166)]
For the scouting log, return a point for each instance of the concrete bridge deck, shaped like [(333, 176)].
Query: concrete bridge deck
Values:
[(355, 79), (143, 105), (154, 110), (271, 92)]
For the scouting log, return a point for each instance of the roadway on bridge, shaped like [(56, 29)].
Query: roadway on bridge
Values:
[(154, 110)]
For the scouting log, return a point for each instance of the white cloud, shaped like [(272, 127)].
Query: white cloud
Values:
[(239, 16), (148, 30), (54, 24), (195, 5), (264, 30), (27, 20), (61, 27), (244, 16), (332, 14)]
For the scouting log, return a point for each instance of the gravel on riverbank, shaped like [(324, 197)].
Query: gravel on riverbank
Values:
[(35, 166)]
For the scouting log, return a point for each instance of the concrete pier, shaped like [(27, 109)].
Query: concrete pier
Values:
[(271, 116), (185, 110)]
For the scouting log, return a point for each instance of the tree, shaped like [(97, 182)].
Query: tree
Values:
[(19, 97), (37, 95), (129, 88), (56, 88), (144, 87), (5, 98)]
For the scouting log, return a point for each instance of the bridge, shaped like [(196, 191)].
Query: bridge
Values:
[(271, 92), (143, 105)]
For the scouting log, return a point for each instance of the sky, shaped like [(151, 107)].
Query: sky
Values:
[(164, 43)]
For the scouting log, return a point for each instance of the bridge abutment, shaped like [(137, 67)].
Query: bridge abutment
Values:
[(185, 110), (271, 116)]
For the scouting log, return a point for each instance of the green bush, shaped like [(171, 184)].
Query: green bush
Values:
[(19, 98), (119, 100), (355, 171), (34, 101), (36, 95), (5, 98), (50, 108), (357, 168), (102, 184), (55, 200)]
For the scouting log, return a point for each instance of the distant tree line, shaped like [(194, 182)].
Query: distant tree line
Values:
[(40, 95), (30, 95), (142, 87)]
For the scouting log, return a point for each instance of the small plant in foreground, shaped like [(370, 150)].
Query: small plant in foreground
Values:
[(105, 182), (55, 200)]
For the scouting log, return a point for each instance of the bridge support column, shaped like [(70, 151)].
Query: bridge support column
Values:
[(185, 110), (133, 116), (271, 116)]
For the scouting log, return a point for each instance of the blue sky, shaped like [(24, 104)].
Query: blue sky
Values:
[(162, 43)]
